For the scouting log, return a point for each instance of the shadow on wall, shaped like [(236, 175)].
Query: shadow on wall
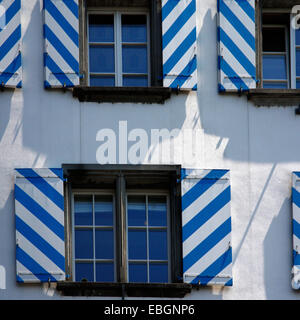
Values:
[(278, 283)]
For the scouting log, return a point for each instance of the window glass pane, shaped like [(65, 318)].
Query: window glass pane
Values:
[(103, 211), (274, 67), (158, 246), (136, 211), (104, 272), (134, 28), (157, 211), (298, 63), (101, 28), (158, 272), (104, 244), (83, 244), (83, 210), (84, 271), (134, 59), (274, 40), (298, 84), (298, 37), (102, 81), (137, 272), (275, 85), (102, 59), (137, 244), (135, 81)]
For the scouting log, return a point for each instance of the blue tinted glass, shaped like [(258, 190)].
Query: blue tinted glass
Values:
[(275, 85), (134, 59), (134, 28), (83, 210), (101, 28), (102, 59), (158, 245), (137, 245), (137, 272), (84, 271), (135, 81), (298, 37), (298, 84), (298, 63), (105, 272), (102, 81), (157, 211), (274, 67), (158, 272), (83, 244), (136, 211), (104, 244), (103, 211)]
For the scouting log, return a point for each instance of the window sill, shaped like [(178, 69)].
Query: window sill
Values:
[(166, 290), (274, 97), (122, 94)]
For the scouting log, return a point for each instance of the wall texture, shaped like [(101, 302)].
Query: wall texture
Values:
[(40, 128)]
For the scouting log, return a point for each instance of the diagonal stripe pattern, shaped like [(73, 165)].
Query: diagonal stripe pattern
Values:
[(10, 44), (179, 44), (206, 227), (39, 214), (296, 229), (236, 43), (61, 33)]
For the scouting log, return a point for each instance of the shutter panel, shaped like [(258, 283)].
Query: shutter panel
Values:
[(236, 43), (61, 33), (10, 44), (206, 227), (39, 214), (179, 44), (296, 230)]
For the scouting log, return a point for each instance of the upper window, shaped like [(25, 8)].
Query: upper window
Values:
[(280, 53), (118, 49)]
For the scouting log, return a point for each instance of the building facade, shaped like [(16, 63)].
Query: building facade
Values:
[(149, 148)]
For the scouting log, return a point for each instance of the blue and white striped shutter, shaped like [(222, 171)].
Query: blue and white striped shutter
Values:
[(10, 44), (61, 33), (179, 44), (206, 227), (236, 45), (39, 213), (296, 230)]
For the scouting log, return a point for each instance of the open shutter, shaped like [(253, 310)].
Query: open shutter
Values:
[(206, 227), (296, 230), (61, 56), (10, 44), (39, 214), (236, 44), (179, 44)]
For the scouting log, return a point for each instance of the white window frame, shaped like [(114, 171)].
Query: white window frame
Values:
[(118, 12), (92, 193), (286, 53), (146, 194), (293, 48)]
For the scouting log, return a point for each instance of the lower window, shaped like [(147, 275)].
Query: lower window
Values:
[(127, 230)]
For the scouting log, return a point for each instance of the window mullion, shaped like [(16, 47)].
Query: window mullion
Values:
[(147, 233), (94, 239), (118, 49)]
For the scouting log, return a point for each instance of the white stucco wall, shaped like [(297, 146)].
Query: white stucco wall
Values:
[(40, 128)]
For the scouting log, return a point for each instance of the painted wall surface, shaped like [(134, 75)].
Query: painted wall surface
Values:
[(40, 128)]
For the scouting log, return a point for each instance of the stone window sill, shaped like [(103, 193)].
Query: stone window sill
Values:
[(274, 97), (122, 94), (166, 290)]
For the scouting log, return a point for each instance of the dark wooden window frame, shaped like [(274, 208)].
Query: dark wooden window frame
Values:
[(122, 177), (156, 93)]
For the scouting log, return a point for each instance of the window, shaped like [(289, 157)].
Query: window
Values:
[(279, 50), (125, 225), (94, 233), (118, 45)]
